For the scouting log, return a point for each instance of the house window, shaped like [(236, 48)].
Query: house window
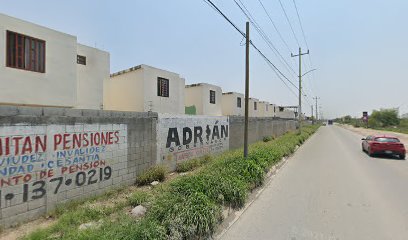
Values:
[(212, 96), (24, 52), (274, 109), (281, 109), (266, 108), (162, 87), (81, 59), (238, 102), (255, 106)]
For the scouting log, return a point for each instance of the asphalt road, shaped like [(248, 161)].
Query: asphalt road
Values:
[(330, 189)]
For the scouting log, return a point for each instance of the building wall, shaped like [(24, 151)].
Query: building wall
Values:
[(181, 137), (229, 104), (91, 77), (125, 92), (287, 114), (210, 109), (264, 109), (252, 111), (193, 97), (59, 171), (57, 86), (174, 103)]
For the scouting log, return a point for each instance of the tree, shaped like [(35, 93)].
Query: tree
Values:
[(384, 118)]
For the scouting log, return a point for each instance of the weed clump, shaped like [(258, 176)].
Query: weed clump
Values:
[(155, 173)]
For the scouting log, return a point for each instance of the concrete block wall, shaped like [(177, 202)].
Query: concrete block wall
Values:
[(56, 155), (45, 159), (258, 129)]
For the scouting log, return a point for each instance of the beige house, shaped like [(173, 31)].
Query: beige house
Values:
[(265, 110), (253, 107), (43, 67), (205, 98), (286, 113), (144, 88), (233, 104)]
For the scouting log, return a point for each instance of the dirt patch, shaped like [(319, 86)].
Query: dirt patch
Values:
[(366, 131), (24, 229)]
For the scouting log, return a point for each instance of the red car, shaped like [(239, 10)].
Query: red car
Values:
[(383, 144)]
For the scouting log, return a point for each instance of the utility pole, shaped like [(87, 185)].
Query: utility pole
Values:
[(300, 84), (312, 114), (246, 91), (316, 98)]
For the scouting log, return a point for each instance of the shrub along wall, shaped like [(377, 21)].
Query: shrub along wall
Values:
[(188, 207), (56, 155)]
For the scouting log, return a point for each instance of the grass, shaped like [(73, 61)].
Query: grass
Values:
[(192, 164), (155, 173), (187, 207)]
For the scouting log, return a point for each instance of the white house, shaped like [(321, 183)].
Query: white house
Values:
[(43, 67), (144, 88), (205, 98), (233, 104), (273, 108), (253, 107)]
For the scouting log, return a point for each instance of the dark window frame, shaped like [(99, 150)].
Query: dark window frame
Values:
[(163, 87), (20, 55), (255, 106), (81, 59), (212, 97), (239, 102)]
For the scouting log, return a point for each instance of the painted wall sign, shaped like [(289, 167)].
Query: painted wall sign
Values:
[(184, 137), (37, 161)]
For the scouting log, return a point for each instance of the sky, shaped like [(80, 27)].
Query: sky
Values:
[(359, 48)]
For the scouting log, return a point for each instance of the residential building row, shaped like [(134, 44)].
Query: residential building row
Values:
[(44, 67)]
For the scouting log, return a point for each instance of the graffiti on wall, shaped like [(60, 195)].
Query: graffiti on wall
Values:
[(39, 160), (186, 137)]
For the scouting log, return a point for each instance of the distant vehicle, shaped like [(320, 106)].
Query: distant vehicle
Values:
[(383, 144), (330, 122)]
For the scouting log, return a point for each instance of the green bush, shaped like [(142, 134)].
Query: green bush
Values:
[(267, 139), (155, 173)]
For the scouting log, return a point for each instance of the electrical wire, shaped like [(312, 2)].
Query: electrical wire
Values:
[(290, 24), (277, 71)]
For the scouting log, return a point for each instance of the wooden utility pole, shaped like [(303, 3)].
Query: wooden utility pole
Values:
[(300, 85), (246, 91)]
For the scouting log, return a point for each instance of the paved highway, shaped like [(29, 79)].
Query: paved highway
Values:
[(330, 189)]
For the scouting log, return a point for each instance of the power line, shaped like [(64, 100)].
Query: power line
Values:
[(258, 28), (300, 23), (276, 70), (290, 24), (274, 26)]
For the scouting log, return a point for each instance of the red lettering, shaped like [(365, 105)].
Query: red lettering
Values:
[(66, 141), (7, 146), (117, 136), (4, 182), (27, 178), (27, 146), (104, 138), (77, 141), (110, 137), (41, 143), (17, 145), (57, 141), (16, 179), (63, 170), (86, 141), (97, 139)]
